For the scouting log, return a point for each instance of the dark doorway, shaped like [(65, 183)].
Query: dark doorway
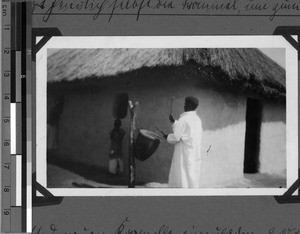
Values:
[(252, 138), (120, 105)]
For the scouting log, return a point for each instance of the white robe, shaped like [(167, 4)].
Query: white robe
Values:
[(186, 161)]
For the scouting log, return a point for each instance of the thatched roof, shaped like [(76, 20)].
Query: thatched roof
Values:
[(246, 67)]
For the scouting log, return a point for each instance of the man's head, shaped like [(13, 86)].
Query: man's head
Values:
[(117, 123), (190, 104)]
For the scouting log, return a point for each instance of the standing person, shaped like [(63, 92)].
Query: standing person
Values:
[(187, 135), (53, 123), (115, 155)]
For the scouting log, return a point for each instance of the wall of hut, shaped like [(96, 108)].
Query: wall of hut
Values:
[(87, 120), (273, 139)]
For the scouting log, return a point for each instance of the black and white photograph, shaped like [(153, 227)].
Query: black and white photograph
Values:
[(167, 115)]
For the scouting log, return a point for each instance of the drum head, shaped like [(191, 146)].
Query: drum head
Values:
[(150, 134)]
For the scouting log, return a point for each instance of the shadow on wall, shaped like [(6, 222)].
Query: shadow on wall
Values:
[(88, 115), (161, 85)]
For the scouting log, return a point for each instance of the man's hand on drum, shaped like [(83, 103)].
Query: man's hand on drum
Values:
[(171, 118)]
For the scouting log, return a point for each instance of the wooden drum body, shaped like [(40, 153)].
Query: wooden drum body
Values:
[(146, 144)]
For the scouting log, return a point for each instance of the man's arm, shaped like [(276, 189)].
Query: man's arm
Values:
[(178, 130)]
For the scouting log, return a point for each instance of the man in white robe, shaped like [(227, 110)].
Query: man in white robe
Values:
[(187, 135)]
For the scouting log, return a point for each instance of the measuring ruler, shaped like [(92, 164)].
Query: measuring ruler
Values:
[(16, 59)]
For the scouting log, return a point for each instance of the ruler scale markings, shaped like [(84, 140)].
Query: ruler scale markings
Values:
[(24, 160), (5, 198), (14, 164), (23, 22), (13, 48), (18, 26), (13, 23), (5, 153), (24, 38), (18, 75), (17, 141), (13, 75), (16, 187), (13, 178), (29, 117), (9, 74), (13, 119), (18, 128), (18, 180)]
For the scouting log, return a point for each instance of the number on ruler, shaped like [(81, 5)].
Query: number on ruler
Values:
[(6, 143), (6, 165), (6, 96), (6, 74), (6, 211), (4, 10), (7, 27), (6, 120), (6, 51), (6, 189)]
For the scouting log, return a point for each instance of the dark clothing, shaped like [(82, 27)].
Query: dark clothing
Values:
[(52, 124), (116, 136)]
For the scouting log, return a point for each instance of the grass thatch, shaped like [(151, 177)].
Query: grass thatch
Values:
[(246, 68)]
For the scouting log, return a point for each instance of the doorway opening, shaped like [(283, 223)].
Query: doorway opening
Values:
[(252, 136)]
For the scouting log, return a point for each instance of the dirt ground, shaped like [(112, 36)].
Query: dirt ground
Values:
[(63, 178)]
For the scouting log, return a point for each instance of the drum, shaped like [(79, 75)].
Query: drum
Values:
[(146, 144)]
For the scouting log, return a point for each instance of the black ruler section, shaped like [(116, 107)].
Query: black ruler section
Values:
[(13, 53), (23, 37)]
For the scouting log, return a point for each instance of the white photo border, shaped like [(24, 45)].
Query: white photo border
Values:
[(169, 42)]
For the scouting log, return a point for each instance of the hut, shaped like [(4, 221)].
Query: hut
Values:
[(242, 107)]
